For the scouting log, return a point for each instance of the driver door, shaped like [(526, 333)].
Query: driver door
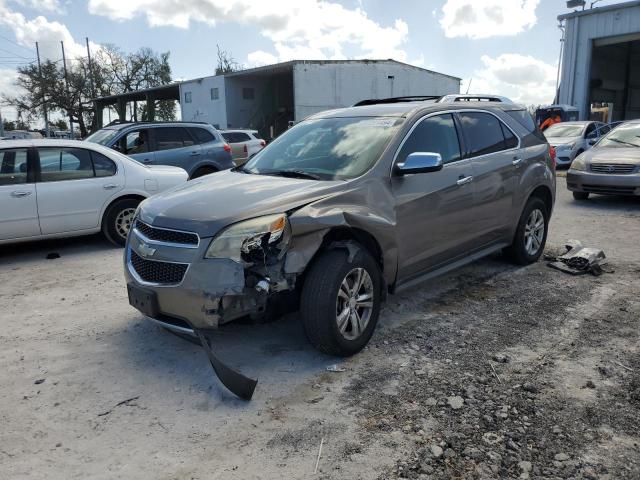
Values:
[(434, 211), (137, 145)]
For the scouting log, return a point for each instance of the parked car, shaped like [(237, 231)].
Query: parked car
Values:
[(196, 147), (244, 144), (570, 139), (20, 135), (339, 210), (63, 188), (611, 167)]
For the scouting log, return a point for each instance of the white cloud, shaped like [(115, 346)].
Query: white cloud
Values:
[(304, 29), (47, 5), (47, 33), (487, 18), (522, 78), (8, 88)]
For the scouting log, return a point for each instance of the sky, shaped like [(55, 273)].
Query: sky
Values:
[(505, 47)]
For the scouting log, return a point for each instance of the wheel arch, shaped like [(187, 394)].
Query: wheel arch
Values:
[(130, 196), (543, 193)]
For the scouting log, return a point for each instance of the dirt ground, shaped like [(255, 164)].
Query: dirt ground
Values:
[(492, 371)]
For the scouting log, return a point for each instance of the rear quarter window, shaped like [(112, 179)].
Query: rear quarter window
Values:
[(524, 118), (201, 135)]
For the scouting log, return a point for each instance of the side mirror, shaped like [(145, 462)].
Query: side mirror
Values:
[(420, 162), (592, 141)]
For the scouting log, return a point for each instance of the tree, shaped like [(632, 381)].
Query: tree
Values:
[(60, 124), (18, 124), (226, 63), (112, 72)]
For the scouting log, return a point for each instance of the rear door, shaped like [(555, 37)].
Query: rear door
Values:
[(174, 146), (494, 150), (73, 186), (434, 210), (18, 207)]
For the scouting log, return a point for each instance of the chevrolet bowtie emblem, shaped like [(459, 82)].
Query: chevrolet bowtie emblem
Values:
[(145, 250)]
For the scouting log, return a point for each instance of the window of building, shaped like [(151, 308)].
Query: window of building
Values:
[(215, 93), (187, 97), (435, 134), (248, 93)]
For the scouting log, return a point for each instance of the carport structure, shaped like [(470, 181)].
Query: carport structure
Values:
[(601, 62), (148, 95)]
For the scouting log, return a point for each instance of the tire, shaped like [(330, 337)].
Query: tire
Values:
[(321, 301), (117, 220), (580, 195), (202, 171), (519, 251)]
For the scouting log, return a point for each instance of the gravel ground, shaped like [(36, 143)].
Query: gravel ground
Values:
[(491, 371)]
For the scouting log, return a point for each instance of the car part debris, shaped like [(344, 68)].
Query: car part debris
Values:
[(336, 369), (237, 383), (578, 260)]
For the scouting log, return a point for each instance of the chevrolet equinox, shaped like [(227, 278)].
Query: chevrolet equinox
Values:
[(343, 208)]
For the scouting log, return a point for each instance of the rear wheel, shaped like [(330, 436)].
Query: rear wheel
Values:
[(580, 196), (340, 301), (531, 234), (202, 171), (118, 219)]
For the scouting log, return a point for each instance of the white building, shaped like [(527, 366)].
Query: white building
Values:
[(268, 98), (601, 61)]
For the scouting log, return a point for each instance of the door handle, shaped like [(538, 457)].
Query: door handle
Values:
[(516, 161), (110, 186), (194, 154), (464, 180), (146, 160), (20, 194)]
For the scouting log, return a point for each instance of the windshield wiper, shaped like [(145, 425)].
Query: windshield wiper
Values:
[(241, 169), (292, 174)]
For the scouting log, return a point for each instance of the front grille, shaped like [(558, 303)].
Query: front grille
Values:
[(164, 235), (153, 271), (612, 168), (608, 190)]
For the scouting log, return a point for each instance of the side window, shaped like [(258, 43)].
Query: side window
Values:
[(242, 137), (57, 164), (605, 129), (483, 133), (591, 131), (201, 135), (435, 134), (103, 166), (135, 142), (168, 138), (187, 97), (510, 140), (13, 166)]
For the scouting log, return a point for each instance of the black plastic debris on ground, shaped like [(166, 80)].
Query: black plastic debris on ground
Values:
[(578, 260), (52, 256)]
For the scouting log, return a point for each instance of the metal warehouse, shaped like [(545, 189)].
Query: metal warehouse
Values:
[(269, 98), (601, 62)]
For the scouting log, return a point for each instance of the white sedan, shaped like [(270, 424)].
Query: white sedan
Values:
[(62, 188)]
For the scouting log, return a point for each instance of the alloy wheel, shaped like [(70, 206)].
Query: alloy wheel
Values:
[(354, 303), (124, 220), (534, 232)]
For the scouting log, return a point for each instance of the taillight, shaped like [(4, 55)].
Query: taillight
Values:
[(552, 152), (263, 143), (227, 148)]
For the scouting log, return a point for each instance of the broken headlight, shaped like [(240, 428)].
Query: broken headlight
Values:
[(261, 239)]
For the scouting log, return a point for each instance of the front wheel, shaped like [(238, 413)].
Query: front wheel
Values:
[(340, 301), (531, 234), (118, 219)]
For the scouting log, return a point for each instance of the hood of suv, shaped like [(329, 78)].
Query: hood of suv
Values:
[(212, 202), (629, 155)]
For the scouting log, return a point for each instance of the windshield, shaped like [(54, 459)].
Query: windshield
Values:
[(622, 136), (327, 148), (560, 130), (103, 137)]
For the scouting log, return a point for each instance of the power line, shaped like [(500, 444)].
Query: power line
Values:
[(15, 54), (16, 43)]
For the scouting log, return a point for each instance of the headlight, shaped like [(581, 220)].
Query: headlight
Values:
[(579, 163), (566, 146), (257, 240)]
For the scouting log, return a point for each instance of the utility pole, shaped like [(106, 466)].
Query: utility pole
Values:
[(44, 98), (1, 125), (66, 81), (93, 85)]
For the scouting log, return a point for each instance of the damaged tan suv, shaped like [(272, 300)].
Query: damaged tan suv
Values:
[(343, 208)]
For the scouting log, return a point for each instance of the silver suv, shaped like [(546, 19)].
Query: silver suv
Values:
[(196, 147), (340, 210)]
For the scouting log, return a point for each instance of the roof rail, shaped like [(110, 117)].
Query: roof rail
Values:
[(410, 98), (129, 122)]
